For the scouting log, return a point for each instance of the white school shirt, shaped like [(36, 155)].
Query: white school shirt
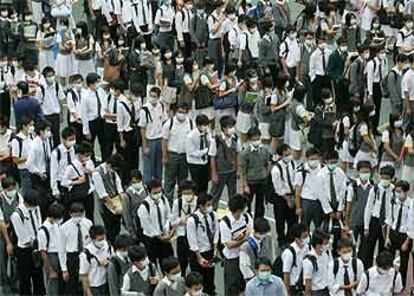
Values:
[(405, 38), (373, 206), (26, 145), (340, 181), (133, 13), (6, 79), (379, 284), (182, 23), (392, 219), (290, 51), (55, 239), (24, 230), (152, 124), (9, 201), (197, 235), (96, 272), (126, 281), (227, 234), (319, 277), (410, 231), (4, 141), (212, 20), (176, 135), (234, 37), (192, 144), (89, 107), (228, 140), (71, 174), (374, 76), (316, 63), (38, 156), (407, 84), (165, 13), (50, 102), (308, 189), (253, 43), (288, 267), (149, 219), (176, 216), (58, 167), (111, 106), (99, 184), (350, 195), (73, 100), (280, 178), (123, 117), (335, 282)]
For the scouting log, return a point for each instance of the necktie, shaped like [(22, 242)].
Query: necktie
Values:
[(334, 203), (159, 217), (99, 104), (398, 226), (189, 210), (45, 151), (208, 231), (68, 157), (33, 222), (380, 70), (289, 179), (347, 281), (144, 17), (136, 9), (115, 105), (80, 238), (2, 75), (79, 96), (203, 145), (132, 121), (382, 208), (323, 61)]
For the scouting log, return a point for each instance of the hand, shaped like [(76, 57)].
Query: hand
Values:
[(337, 215), (88, 137), (65, 276), (239, 64), (104, 262), (53, 274), (123, 144), (146, 150), (154, 280), (408, 111), (299, 212), (203, 262), (405, 246), (214, 178), (79, 180), (366, 233), (246, 189), (165, 160), (181, 44), (9, 249)]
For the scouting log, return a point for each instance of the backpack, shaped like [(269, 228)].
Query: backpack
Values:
[(140, 231), (226, 220), (47, 234), (393, 283), (384, 84), (43, 90), (172, 124), (277, 267), (19, 141), (353, 266)]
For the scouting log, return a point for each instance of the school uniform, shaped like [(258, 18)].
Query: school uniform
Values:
[(202, 236), (108, 185), (166, 287), (89, 265), (342, 273), (25, 224), (407, 172), (376, 71), (73, 100), (232, 273), (136, 281), (50, 98), (139, 15), (130, 203), (305, 54), (290, 51), (407, 88), (252, 47), (173, 133), (318, 63), (225, 151), (377, 209), (182, 26), (197, 146), (214, 41), (283, 180), (73, 171), (356, 79), (6, 81), (335, 70), (395, 140), (75, 237), (182, 208), (394, 86), (317, 271), (199, 36), (60, 158), (20, 147), (306, 178), (294, 266), (332, 189), (268, 51), (165, 37), (155, 219), (111, 137), (373, 283), (117, 268)]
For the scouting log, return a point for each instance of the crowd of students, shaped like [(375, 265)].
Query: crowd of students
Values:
[(282, 103)]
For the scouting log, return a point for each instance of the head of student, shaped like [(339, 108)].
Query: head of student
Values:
[(155, 190), (252, 77), (3, 124), (321, 42), (408, 23), (401, 190), (187, 188), (400, 61), (98, 236), (170, 266), (122, 243), (363, 51), (384, 261), (138, 256), (320, 241), (253, 136), (182, 111), (284, 151), (49, 75), (312, 158), (208, 64), (68, 137), (118, 86), (261, 228), (299, 93), (55, 213), (300, 235), (92, 81), (364, 169), (205, 203), (114, 162), (263, 269), (387, 174), (237, 205), (9, 187), (23, 88), (331, 160), (136, 92), (345, 249), (230, 70), (83, 152), (43, 129), (227, 124), (395, 122), (77, 212), (136, 179), (154, 95), (194, 283), (203, 123), (77, 82), (27, 125), (31, 198)]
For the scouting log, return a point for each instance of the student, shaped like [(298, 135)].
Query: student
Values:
[(408, 90), (77, 180), (283, 180), (194, 284), (155, 222), (398, 226), (183, 207), (141, 278), (254, 162), (172, 283), (357, 196), (258, 244), (174, 131), (75, 237), (6, 135), (315, 265), (151, 118), (119, 264), (197, 144), (93, 263), (215, 24), (394, 79), (202, 236), (164, 19), (356, 79), (292, 258), (199, 32), (382, 278), (61, 157), (289, 55), (134, 195), (73, 99), (26, 221), (49, 239), (392, 141), (345, 271), (26, 105), (20, 147), (377, 209), (182, 24), (10, 199), (308, 205), (265, 283), (224, 158), (235, 228)]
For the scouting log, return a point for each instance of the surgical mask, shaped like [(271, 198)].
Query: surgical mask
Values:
[(346, 257), (210, 68), (313, 164), (209, 209), (328, 101), (174, 277), (197, 293), (398, 123), (195, 67), (71, 143), (188, 197), (50, 79), (77, 86), (343, 48), (364, 176), (376, 25), (409, 25), (293, 36), (48, 134), (204, 128), (168, 55), (264, 276), (366, 56), (76, 220), (122, 254), (231, 131), (31, 129), (309, 42), (262, 236), (385, 183), (137, 186), (256, 143), (153, 100), (11, 193), (143, 46), (353, 22), (121, 42), (253, 80), (232, 17), (179, 60), (181, 117), (156, 196), (99, 244), (406, 66), (4, 13), (322, 46), (145, 262), (200, 11), (400, 195), (287, 159), (331, 166), (46, 26), (28, 18)]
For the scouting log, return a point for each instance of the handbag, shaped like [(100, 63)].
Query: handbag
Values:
[(169, 95), (226, 102), (61, 11)]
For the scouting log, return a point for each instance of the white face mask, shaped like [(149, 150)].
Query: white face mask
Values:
[(77, 86), (4, 13), (99, 244), (156, 196), (256, 143), (181, 117), (231, 131), (398, 123), (344, 48), (174, 277), (31, 129), (48, 134), (287, 159), (188, 197), (353, 22), (346, 257), (322, 46), (179, 60), (122, 254), (168, 55), (382, 56), (209, 209), (3, 64), (153, 100), (309, 42), (11, 193), (137, 186), (409, 25), (293, 36), (50, 79), (313, 164), (76, 219)]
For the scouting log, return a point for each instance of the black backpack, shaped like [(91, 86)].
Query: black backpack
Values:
[(140, 231), (226, 220), (277, 267), (353, 266)]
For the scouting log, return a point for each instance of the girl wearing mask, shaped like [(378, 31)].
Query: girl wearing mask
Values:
[(168, 87), (74, 110), (28, 47), (46, 39), (342, 140), (391, 144), (227, 92), (139, 61), (189, 83), (83, 50), (376, 34), (351, 32), (64, 61)]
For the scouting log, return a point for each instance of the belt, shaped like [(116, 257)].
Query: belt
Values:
[(175, 153)]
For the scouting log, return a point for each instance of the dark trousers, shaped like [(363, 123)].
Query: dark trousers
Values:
[(214, 51), (377, 97), (284, 215), (157, 250), (232, 276), (165, 40), (78, 131), (207, 273), (130, 154), (175, 171), (99, 23), (257, 190), (97, 131), (397, 240), (187, 45), (324, 292), (30, 277), (312, 212), (182, 253), (110, 139), (200, 175), (318, 84), (112, 223), (375, 235), (54, 120), (100, 291), (153, 161), (73, 286), (42, 186), (225, 179), (5, 105)]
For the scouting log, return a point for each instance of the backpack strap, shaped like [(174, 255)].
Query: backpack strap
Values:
[(146, 205), (253, 245), (147, 114), (313, 260), (117, 264), (279, 167), (180, 206), (47, 234), (367, 275), (76, 170), (20, 213), (292, 250), (89, 255), (335, 266)]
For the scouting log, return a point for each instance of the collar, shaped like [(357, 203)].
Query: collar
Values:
[(398, 71), (359, 183), (192, 203), (252, 148), (267, 37)]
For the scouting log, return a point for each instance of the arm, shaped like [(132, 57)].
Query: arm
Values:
[(114, 285), (370, 77), (54, 167), (368, 209)]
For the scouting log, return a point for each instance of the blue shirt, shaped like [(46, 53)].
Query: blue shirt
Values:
[(274, 286), (27, 106)]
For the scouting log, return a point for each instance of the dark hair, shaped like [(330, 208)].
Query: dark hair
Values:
[(363, 164), (46, 70), (154, 183), (137, 89), (332, 154), (318, 237), (202, 120), (203, 198), (76, 207), (136, 174), (8, 182), (188, 65), (156, 90), (193, 279), (262, 261), (123, 241), (297, 229), (92, 78), (261, 225), (183, 105), (404, 185), (237, 202), (4, 120), (83, 148), (76, 77), (68, 132), (115, 161), (311, 151), (230, 68), (31, 197), (137, 253), (23, 86), (387, 171), (252, 132), (96, 230), (41, 126), (282, 147), (345, 243), (411, 58), (268, 82), (118, 85), (187, 185), (227, 121), (299, 93), (401, 58), (361, 48), (385, 260), (208, 61), (55, 211), (84, 27), (169, 264)]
